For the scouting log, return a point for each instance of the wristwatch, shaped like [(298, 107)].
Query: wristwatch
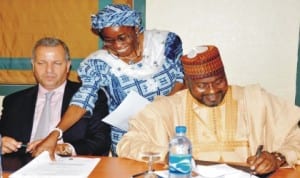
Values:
[(279, 157)]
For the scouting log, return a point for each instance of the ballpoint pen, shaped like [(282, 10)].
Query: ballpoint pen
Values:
[(139, 174), (23, 145)]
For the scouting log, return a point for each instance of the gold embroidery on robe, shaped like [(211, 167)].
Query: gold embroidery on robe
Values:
[(217, 132)]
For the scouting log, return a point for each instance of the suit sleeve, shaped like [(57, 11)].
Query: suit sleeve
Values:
[(16, 119)]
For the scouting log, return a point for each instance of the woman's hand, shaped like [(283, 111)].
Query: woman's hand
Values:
[(47, 144), (265, 163), (31, 146)]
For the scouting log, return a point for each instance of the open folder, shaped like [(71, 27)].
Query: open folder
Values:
[(64, 167)]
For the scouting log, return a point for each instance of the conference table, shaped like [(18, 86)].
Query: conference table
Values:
[(112, 167)]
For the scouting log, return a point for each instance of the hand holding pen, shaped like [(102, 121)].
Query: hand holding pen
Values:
[(256, 156), (263, 162), (10, 145)]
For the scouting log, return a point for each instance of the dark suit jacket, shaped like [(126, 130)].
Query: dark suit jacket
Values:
[(89, 136)]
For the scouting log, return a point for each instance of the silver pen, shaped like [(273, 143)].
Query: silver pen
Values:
[(23, 145)]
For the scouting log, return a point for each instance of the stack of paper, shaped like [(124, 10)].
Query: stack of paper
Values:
[(64, 167)]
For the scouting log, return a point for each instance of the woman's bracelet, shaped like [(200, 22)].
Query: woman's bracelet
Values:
[(60, 132)]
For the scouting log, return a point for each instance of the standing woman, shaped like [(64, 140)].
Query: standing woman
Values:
[(132, 59)]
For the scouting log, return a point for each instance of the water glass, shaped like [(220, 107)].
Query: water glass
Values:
[(150, 158)]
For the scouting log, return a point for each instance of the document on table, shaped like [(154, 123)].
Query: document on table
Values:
[(130, 106), (213, 171), (64, 167)]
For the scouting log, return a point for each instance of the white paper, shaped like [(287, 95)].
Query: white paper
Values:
[(213, 171), (130, 106), (64, 167), (221, 170)]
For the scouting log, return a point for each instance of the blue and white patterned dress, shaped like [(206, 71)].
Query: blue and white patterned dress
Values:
[(155, 74)]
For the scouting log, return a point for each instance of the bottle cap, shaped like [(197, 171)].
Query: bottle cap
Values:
[(180, 129)]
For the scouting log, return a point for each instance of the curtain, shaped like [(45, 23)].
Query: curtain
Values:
[(23, 22)]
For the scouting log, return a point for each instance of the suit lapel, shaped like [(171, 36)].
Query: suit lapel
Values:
[(70, 90), (28, 111)]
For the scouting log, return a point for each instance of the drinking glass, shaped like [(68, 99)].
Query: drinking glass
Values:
[(150, 157)]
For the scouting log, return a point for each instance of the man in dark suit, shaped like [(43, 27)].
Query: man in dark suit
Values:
[(22, 111)]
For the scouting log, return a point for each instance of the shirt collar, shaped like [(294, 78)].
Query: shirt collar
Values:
[(57, 90)]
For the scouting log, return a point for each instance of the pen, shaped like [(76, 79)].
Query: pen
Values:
[(259, 150), (23, 145), (139, 174)]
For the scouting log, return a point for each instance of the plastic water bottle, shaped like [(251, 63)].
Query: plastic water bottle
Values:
[(180, 155), (0, 156)]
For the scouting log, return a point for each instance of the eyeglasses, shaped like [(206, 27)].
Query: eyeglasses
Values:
[(120, 39)]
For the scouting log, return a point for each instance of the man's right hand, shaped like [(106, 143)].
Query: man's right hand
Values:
[(10, 145), (264, 164), (47, 144)]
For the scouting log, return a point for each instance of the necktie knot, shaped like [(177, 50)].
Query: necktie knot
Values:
[(49, 95)]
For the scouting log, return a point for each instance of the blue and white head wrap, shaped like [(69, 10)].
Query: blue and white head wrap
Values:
[(117, 15)]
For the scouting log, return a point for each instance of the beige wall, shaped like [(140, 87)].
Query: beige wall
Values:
[(258, 39)]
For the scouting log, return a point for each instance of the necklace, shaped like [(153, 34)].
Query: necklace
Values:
[(131, 61)]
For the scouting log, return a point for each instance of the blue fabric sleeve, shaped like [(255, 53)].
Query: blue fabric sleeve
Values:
[(93, 74), (174, 52)]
